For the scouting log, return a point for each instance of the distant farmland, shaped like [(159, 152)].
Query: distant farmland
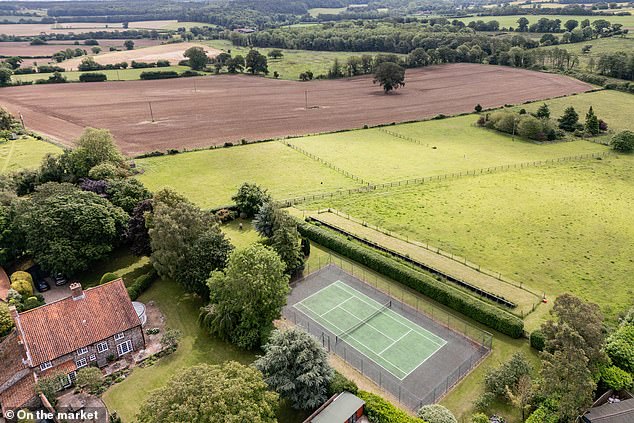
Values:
[(199, 112)]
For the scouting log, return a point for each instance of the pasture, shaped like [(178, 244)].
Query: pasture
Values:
[(510, 21), (599, 46), (81, 27), (442, 147), (113, 75), (559, 228), (210, 177), (199, 112), (24, 153)]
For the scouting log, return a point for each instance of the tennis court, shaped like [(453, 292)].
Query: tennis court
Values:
[(387, 338)]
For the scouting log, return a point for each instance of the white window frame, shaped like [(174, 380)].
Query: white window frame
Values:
[(119, 336), (45, 366), (128, 347), (71, 378), (82, 362), (82, 351), (92, 357), (102, 347)]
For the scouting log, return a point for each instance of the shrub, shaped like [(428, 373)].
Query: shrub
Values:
[(162, 63), (21, 276), (537, 340), (615, 378), (620, 348), (506, 375), (479, 418), (531, 128), (24, 287), (339, 383), (379, 410), (623, 142), (478, 108), (90, 378), (141, 284), (545, 413), (504, 121), (424, 283), (158, 74), (141, 65), (6, 322), (106, 170), (31, 302), (92, 77), (436, 413), (189, 73), (484, 401), (108, 277)]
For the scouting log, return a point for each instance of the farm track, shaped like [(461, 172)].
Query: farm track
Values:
[(200, 112)]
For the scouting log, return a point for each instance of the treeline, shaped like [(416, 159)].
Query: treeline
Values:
[(616, 65), (570, 10), (102, 35)]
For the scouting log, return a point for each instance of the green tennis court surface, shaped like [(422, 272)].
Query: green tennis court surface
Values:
[(387, 338)]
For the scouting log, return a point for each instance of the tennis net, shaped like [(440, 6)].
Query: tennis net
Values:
[(356, 326)]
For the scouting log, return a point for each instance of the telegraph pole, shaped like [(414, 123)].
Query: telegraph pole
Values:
[(151, 112)]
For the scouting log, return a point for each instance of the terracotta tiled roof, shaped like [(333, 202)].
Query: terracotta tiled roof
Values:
[(11, 353), (19, 393), (5, 284), (66, 325)]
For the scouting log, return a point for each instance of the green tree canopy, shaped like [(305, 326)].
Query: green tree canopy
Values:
[(256, 62), (228, 393), (246, 297), (94, 147), (390, 76), (250, 198), (436, 413), (623, 142), (569, 120), (197, 56), (592, 122), (296, 366), (66, 229)]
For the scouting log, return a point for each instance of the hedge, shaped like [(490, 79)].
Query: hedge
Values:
[(108, 277), (158, 74), (459, 301), (21, 275), (537, 340), (92, 77), (380, 410), (141, 284)]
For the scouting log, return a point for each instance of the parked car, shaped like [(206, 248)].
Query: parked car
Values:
[(41, 280), (42, 285), (60, 279)]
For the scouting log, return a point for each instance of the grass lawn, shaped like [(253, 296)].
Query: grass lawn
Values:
[(196, 346), (121, 263), (211, 177), (448, 145), (511, 21), (294, 62), (24, 153), (599, 47), (326, 11), (560, 228), (113, 75), (241, 238)]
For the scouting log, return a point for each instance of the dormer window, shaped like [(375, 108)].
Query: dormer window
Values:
[(46, 366), (82, 351), (119, 336)]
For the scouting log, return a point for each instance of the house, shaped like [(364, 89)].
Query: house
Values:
[(616, 412), (91, 327), (341, 408)]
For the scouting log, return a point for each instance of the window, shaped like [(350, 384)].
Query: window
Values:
[(92, 357), (124, 348), (102, 346), (82, 351), (119, 336), (45, 366), (82, 362), (70, 379)]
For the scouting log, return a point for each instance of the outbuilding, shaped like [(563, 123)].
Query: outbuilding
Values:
[(342, 408), (616, 412)]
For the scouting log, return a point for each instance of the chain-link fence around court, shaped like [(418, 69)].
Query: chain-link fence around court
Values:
[(466, 345)]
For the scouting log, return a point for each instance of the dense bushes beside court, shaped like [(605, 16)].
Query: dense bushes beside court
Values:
[(158, 74), (380, 410), (469, 306), (141, 284)]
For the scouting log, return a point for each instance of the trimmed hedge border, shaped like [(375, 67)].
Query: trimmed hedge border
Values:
[(379, 410), (141, 284), (457, 300)]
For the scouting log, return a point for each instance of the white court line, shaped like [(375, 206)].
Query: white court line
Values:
[(395, 341), (334, 284), (337, 306), (433, 341)]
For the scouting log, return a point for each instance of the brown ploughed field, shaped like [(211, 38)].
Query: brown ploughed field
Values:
[(211, 110), (25, 49)]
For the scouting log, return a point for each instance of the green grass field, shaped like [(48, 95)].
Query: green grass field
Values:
[(560, 228), (326, 11), (599, 46), (211, 177), (113, 75), (511, 21), (24, 153), (294, 62), (449, 145)]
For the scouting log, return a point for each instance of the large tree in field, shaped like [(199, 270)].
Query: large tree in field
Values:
[(246, 297), (66, 229), (186, 242), (228, 393), (390, 76), (197, 57), (249, 198), (296, 366), (256, 62)]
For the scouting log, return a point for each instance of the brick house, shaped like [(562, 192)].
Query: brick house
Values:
[(91, 327)]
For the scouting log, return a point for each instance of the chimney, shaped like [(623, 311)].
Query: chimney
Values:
[(77, 291)]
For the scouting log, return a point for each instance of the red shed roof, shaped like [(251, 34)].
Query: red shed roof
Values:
[(66, 325)]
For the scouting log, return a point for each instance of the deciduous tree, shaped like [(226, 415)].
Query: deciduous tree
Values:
[(197, 56), (390, 76)]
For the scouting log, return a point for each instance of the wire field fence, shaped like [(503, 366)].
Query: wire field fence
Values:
[(430, 381), (428, 179)]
